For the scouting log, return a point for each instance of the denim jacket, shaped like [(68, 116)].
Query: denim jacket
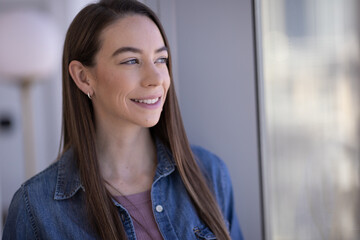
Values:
[(51, 205)]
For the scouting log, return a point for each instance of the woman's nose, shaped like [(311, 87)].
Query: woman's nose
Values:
[(152, 75)]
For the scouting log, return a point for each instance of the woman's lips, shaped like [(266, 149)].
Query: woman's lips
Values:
[(149, 102)]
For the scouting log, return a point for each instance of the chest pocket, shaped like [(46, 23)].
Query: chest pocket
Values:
[(203, 232)]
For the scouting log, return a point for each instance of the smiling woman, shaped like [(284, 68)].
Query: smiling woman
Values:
[(126, 170)]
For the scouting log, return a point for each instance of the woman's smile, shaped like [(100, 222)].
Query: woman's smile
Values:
[(148, 102)]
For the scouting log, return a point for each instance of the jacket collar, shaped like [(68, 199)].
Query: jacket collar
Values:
[(165, 164), (68, 181), (68, 178)]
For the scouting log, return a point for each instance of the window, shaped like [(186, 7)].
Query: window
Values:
[(310, 89)]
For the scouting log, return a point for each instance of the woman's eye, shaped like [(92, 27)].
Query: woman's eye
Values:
[(130, 62), (162, 60)]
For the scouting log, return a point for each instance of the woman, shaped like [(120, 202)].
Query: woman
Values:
[(126, 170)]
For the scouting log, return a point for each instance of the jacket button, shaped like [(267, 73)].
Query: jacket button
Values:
[(159, 208)]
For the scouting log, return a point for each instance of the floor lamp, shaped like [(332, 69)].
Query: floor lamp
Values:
[(29, 52)]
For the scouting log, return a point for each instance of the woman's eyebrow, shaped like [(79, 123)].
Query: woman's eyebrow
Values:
[(164, 48), (126, 49), (135, 50)]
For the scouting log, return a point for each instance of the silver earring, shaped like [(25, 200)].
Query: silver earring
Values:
[(89, 96)]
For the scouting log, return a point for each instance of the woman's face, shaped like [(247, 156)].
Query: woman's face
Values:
[(130, 78)]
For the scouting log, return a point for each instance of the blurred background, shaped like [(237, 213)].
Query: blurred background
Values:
[(271, 86), (309, 62)]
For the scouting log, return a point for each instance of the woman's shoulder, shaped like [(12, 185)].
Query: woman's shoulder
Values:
[(44, 177), (208, 161), (32, 193), (45, 195), (40, 186), (214, 170), (36, 190), (46, 183)]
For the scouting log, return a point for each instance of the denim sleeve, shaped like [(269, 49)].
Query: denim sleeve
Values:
[(218, 174), (227, 203), (235, 231), (18, 223)]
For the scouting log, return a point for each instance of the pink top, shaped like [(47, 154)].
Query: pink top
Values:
[(140, 209)]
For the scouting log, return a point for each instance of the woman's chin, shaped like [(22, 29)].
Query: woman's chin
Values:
[(148, 123)]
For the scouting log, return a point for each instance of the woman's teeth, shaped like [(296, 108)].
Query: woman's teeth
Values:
[(147, 101)]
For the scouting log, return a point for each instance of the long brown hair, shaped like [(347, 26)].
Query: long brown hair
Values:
[(78, 130)]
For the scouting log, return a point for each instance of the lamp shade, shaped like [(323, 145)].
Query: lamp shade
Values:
[(30, 45)]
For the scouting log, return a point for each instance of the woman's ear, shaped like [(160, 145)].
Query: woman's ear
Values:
[(80, 75)]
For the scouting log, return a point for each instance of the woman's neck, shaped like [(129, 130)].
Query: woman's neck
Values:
[(127, 159)]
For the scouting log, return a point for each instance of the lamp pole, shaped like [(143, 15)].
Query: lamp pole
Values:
[(28, 128)]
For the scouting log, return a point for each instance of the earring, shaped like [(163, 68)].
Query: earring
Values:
[(89, 96)]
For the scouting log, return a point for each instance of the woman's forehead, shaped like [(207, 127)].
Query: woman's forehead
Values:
[(134, 30)]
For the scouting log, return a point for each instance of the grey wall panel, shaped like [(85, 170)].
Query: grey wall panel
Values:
[(217, 93)]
